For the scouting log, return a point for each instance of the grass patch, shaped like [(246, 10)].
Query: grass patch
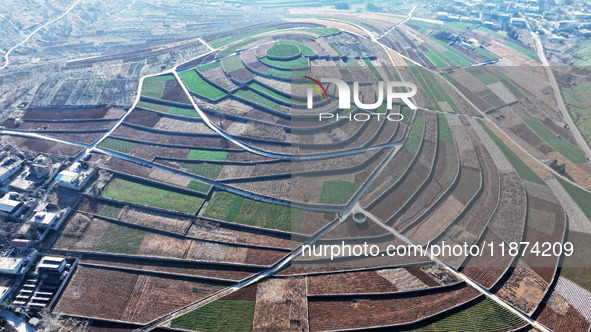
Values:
[(153, 86), (221, 315), (117, 144), (486, 53), (241, 210), (297, 62), (207, 155), (121, 240), (436, 60), (522, 169), (258, 99), (306, 50), (415, 136), (232, 63), (444, 134), (139, 193), (337, 192), (580, 196), (486, 78), (485, 315), (209, 66), (199, 186), (571, 152), (191, 112), (110, 211), (198, 85), (372, 68), (272, 93), (541, 220), (283, 50), (210, 171)]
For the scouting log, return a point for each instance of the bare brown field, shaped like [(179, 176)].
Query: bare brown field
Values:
[(363, 312), (127, 296), (281, 305), (153, 219), (211, 230), (559, 315), (81, 233), (43, 146), (349, 282), (524, 289)]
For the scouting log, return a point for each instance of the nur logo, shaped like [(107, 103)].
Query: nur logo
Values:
[(344, 93)]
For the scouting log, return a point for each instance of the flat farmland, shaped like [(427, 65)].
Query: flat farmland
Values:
[(349, 282), (128, 296), (43, 146), (351, 313), (275, 298), (241, 210), (145, 194), (153, 219), (211, 230)]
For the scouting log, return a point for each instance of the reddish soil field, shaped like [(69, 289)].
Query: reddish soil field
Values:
[(127, 296), (85, 138), (61, 113), (143, 118), (340, 313), (487, 269), (562, 317), (174, 92), (281, 305), (43, 146), (313, 221), (124, 131), (422, 276), (348, 283), (524, 289)]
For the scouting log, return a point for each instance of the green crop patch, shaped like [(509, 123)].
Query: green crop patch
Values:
[(135, 192), (220, 315), (541, 220), (287, 64), (154, 86), (209, 66), (444, 134), (207, 155), (184, 111), (116, 144), (240, 210), (232, 63), (486, 53), (338, 192), (522, 169), (486, 78), (208, 170), (254, 97), (199, 186), (414, 138), (121, 240), (272, 93), (283, 50), (110, 211), (580, 196), (201, 87), (372, 68), (485, 316), (436, 60), (571, 152), (468, 185)]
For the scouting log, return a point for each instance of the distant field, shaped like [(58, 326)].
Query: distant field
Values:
[(372, 68), (337, 192), (139, 193), (121, 240), (297, 62), (234, 208), (444, 134), (117, 145), (209, 66), (415, 136), (230, 39), (232, 63), (486, 78), (523, 50), (198, 85), (221, 315), (272, 93), (573, 153), (437, 61)]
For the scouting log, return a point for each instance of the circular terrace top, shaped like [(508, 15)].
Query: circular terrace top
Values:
[(283, 52)]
